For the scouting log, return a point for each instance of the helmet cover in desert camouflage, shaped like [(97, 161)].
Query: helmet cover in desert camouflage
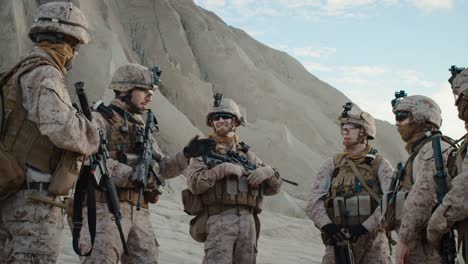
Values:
[(131, 76), (224, 105), (358, 117), (422, 108), (62, 18), (460, 85)]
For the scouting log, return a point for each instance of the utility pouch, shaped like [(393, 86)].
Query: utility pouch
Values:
[(11, 174), (66, 174), (193, 204), (198, 227)]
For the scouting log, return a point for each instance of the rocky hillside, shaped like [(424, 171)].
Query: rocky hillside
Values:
[(291, 113)]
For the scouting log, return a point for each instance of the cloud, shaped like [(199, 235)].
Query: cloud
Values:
[(431, 5), (313, 67), (306, 51), (363, 70), (451, 124), (414, 78)]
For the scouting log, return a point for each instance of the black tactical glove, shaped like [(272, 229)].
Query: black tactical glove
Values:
[(198, 147), (332, 233), (357, 231)]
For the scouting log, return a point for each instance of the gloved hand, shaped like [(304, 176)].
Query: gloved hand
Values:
[(198, 147), (259, 175), (357, 231), (332, 232)]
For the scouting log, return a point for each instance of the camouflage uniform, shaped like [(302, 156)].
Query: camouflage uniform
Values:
[(232, 227), (53, 133), (369, 248), (136, 224), (418, 180), (454, 208)]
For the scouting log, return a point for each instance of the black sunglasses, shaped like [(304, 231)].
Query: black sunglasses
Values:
[(401, 116), (224, 116)]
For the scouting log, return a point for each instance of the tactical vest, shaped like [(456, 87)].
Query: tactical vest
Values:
[(407, 178), (23, 139), (122, 134), (346, 187), (234, 191)]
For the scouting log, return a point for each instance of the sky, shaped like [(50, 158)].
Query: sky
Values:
[(367, 49)]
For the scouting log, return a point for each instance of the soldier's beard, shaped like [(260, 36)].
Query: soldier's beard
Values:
[(132, 108)]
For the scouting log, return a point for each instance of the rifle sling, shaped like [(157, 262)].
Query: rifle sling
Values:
[(85, 187), (363, 182)]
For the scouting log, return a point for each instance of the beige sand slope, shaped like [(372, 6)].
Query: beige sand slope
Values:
[(291, 113)]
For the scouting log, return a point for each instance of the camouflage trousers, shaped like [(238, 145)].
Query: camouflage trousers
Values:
[(371, 248), (231, 240), (30, 231), (137, 229), (420, 251)]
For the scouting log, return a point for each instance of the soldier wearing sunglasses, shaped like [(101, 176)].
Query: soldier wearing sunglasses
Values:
[(418, 119), (454, 211), (353, 181), (231, 197)]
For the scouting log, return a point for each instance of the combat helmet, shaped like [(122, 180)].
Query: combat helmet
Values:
[(130, 76), (460, 85), (60, 18), (422, 108), (358, 117), (224, 105)]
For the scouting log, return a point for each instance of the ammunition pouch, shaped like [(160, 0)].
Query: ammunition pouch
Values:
[(358, 208)]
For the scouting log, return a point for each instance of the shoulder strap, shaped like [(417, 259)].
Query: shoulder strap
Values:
[(363, 181)]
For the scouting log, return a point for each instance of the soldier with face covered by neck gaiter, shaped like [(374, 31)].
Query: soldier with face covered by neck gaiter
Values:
[(418, 119), (45, 134), (453, 212), (356, 178)]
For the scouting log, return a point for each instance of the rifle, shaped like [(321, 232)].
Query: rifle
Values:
[(144, 169), (342, 247), (94, 175), (454, 70), (448, 247), (231, 156)]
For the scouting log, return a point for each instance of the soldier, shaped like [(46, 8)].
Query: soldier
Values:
[(121, 121), (418, 119), (45, 134), (357, 177), (453, 208), (231, 197)]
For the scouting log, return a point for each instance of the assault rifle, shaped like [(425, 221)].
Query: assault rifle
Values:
[(214, 159), (342, 247), (92, 176), (448, 247), (144, 169), (454, 70)]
